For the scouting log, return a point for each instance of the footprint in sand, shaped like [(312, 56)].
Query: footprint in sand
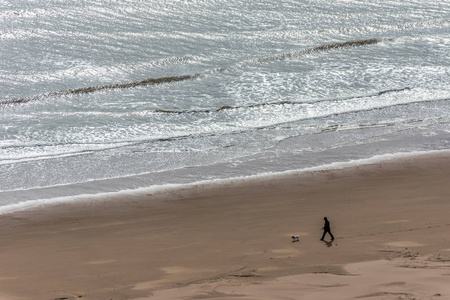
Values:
[(404, 244), (286, 253), (399, 283), (396, 221), (101, 262)]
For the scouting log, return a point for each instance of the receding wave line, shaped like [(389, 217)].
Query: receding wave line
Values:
[(87, 90), (155, 81), (222, 108)]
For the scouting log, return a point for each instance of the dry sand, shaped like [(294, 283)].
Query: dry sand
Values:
[(233, 241)]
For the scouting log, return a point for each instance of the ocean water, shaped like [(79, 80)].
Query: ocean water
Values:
[(108, 95)]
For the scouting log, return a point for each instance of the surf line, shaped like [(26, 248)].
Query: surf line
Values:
[(87, 90), (155, 81)]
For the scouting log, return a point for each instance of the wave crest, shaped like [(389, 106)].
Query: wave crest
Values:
[(155, 81)]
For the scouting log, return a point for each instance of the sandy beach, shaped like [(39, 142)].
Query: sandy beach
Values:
[(233, 240)]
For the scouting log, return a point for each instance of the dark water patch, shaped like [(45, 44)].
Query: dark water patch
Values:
[(322, 48), (346, 44), (172, 60), (222, 108), (393, 91), (87, 90)]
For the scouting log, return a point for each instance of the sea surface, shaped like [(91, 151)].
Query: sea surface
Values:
[(107, 95)]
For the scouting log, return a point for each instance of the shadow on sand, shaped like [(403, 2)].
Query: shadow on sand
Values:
[(328, 243)]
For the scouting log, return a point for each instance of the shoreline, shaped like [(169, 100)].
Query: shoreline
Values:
[(222, 240), (87, 186)]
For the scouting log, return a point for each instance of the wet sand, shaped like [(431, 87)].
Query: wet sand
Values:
[(233, 240)]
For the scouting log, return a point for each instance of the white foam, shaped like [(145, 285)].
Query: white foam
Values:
[(103, 196), (162, 190)]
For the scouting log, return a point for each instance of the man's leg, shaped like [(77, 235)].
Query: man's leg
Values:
[(332, 237)]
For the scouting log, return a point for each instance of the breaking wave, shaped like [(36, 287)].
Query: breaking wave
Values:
[(222, 108), (171, 79)]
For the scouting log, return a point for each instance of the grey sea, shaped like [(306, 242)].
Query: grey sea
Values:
[(102, 96)]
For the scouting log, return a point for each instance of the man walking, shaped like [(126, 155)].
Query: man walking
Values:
[(326, 229)]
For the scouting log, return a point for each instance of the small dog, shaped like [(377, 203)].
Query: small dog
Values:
[(295, 238)]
